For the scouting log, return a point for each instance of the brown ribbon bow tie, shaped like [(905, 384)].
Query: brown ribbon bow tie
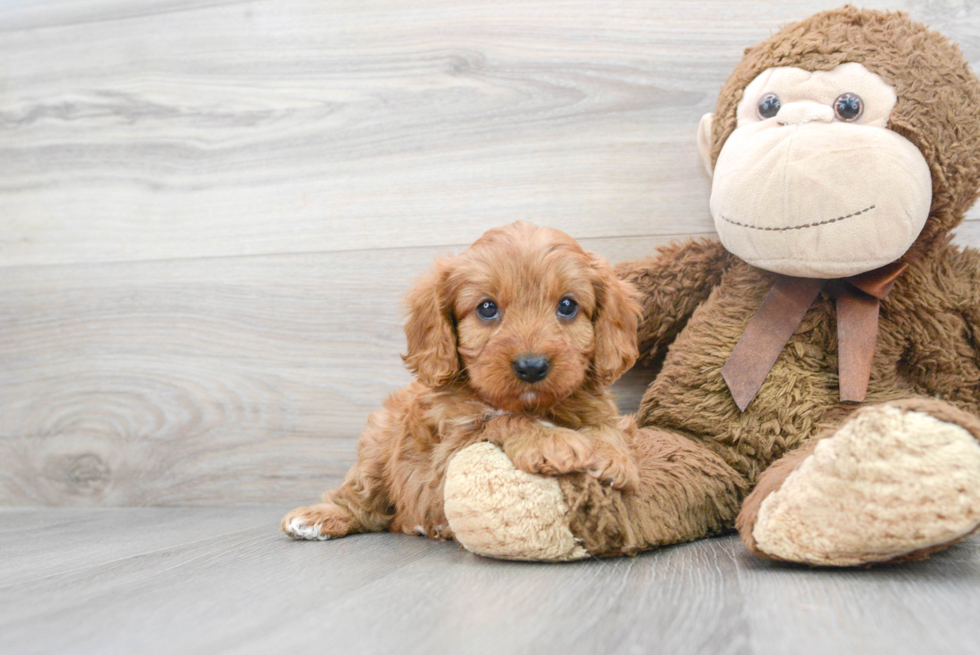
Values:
[(858, 301)]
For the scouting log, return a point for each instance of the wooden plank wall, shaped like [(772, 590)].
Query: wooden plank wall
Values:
[(209, 210)]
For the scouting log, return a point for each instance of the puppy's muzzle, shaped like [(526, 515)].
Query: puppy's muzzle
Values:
[(531, 368)]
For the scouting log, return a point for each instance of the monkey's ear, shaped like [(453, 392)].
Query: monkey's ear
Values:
[(430, 329), (616, 319), (704, 141)]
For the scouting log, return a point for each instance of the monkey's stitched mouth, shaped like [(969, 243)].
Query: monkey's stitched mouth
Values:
[(797, 227)]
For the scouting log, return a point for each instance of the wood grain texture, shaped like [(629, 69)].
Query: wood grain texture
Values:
[(165, 130), (210, 210), (203, 381), (210, 580)]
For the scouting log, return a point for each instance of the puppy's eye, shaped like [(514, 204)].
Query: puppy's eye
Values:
[(769, 105), (487, 310), (848, 107), (567, 308)]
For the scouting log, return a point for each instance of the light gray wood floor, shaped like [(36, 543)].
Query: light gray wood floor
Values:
[(221, 580)]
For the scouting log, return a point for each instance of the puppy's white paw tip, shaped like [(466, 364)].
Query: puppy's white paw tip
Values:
[(299, 529)]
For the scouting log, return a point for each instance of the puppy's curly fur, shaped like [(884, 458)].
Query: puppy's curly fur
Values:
[(470, 320)]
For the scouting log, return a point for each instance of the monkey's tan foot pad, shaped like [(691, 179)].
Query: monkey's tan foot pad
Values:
[(498, 511), (891, 484)]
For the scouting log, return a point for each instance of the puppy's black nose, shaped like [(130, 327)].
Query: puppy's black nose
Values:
[(531, 368)]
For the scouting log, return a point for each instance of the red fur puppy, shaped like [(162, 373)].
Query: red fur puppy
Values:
[(513, 342)]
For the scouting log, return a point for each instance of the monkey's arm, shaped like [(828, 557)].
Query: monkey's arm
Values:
[(974, 327), (972, 318), (672, 284), (943, 354)]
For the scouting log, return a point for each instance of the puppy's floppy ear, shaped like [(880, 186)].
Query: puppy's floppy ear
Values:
[(616, 319), (430, 329)]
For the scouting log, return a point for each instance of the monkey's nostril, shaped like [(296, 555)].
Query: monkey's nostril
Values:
[(531, 368)]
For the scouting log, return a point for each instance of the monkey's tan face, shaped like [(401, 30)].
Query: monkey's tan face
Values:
[(811, 183)]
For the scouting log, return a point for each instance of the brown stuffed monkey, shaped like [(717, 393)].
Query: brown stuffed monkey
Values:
[(819, 382)]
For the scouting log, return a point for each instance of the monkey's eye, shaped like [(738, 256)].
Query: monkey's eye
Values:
[(769, 105), (567, 308), (848, 107), (487, 309)]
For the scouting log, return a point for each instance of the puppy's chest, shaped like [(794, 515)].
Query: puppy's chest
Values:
[(582, 409)]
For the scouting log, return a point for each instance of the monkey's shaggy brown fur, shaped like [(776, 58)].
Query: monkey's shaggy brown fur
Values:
[(698, 455)]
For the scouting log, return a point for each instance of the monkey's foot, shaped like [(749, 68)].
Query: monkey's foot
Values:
[(895, 482), (498, 511)]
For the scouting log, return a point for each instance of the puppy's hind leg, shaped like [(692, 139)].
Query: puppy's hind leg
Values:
[(318, 522), (360, 504)]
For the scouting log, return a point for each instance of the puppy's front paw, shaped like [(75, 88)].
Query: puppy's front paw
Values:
[(616, 469), (555, 452), (317, 523)]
